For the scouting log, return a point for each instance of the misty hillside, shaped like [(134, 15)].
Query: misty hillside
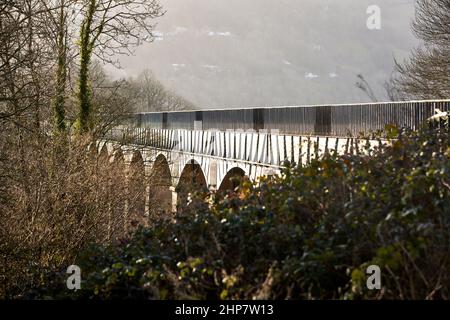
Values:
[(243, 53)]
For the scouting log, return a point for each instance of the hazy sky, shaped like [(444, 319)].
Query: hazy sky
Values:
[(244, 53)]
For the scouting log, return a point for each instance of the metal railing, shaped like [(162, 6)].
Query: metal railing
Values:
[(328, 120)]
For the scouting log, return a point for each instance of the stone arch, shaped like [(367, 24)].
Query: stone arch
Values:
[(232, 179), (160, 182), (136, 184), (192, 179)]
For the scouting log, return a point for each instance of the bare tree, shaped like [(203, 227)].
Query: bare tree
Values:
[(426, 74), (150, 95), (53, 203), (110, 27), (22, 50), (391, 91), (366, 88), (112, 100), (61, 70)]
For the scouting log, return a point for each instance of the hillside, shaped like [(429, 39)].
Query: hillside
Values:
[(242, 53)]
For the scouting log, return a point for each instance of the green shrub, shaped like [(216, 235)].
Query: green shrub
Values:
[(309, 233)]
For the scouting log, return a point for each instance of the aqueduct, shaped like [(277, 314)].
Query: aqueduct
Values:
[(173, 154)]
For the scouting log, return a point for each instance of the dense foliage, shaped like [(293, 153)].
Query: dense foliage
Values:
[(309, 233)]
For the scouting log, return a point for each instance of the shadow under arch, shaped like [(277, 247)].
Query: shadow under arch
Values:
[(136, 191), (118, 159), (160, 174), (137, 160), (117, 195), (232, 179), (192, 180), (103, 153), (93, 150), (160, 181)]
